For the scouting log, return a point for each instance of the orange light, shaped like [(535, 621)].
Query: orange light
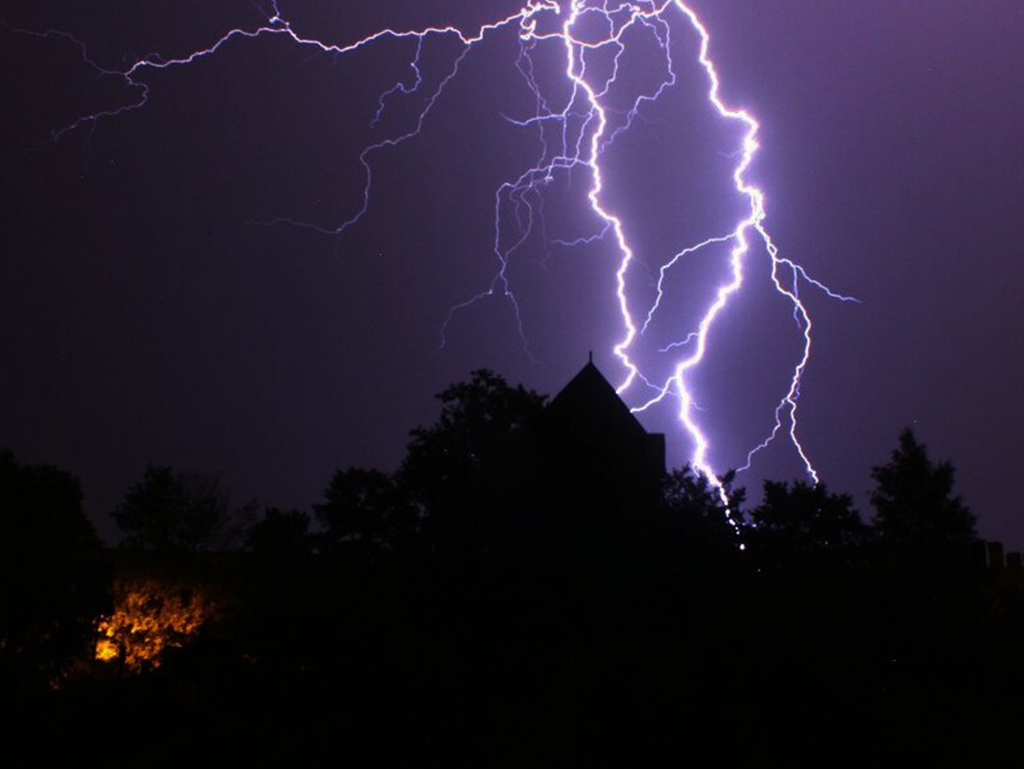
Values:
[(148, 618)]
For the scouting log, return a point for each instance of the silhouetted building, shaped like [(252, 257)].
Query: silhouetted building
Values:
[(600, 451)]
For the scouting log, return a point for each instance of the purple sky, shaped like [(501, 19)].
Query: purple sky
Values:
[(145, 319)]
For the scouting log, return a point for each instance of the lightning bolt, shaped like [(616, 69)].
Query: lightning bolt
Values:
[(573, 134)]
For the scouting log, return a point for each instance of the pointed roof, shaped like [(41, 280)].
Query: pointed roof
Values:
[(589, 400)]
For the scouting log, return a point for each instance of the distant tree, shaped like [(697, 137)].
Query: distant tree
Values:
[(697, 538), (151, 515), (467, 472), (280, 534), (695, 507), (288, 598), (171, 510), (364, 511), (930, 597), (53, 582), (803, 523), (914, 501)]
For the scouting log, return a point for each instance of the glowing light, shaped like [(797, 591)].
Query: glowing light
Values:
[(149, 618)]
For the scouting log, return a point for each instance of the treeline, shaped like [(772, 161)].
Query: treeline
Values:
[(496, 602)]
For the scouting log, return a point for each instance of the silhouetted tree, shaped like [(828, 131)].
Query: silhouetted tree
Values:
[(694, 545), (812, 605), (171, 510), (364, 512), (803, 525), (280, 534), (468, 471), (929, 599), (914, 501), (53, 584), (697, 510), (288, 595), (809, 547)]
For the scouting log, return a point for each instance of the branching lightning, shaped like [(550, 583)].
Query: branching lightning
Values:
[(573, 134)]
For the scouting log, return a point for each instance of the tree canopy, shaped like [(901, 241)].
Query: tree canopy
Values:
[(914, 501), (364, 511), (466, 471), (802, 520), (172, 510), (52, 581)]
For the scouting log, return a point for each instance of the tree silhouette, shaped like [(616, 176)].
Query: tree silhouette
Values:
[(53, 584), (696, 511), (914, 501), (929, 598), (806, 525), (468, 471), (364, 512), (171, 510), (280, 534)]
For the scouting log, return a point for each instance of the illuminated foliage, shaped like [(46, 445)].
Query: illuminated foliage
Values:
[(148, 618)]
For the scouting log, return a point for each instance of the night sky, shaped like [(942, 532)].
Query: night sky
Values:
[(148, 314)]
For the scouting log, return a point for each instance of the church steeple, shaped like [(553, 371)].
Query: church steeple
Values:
[(597, 446), (589, 413)]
